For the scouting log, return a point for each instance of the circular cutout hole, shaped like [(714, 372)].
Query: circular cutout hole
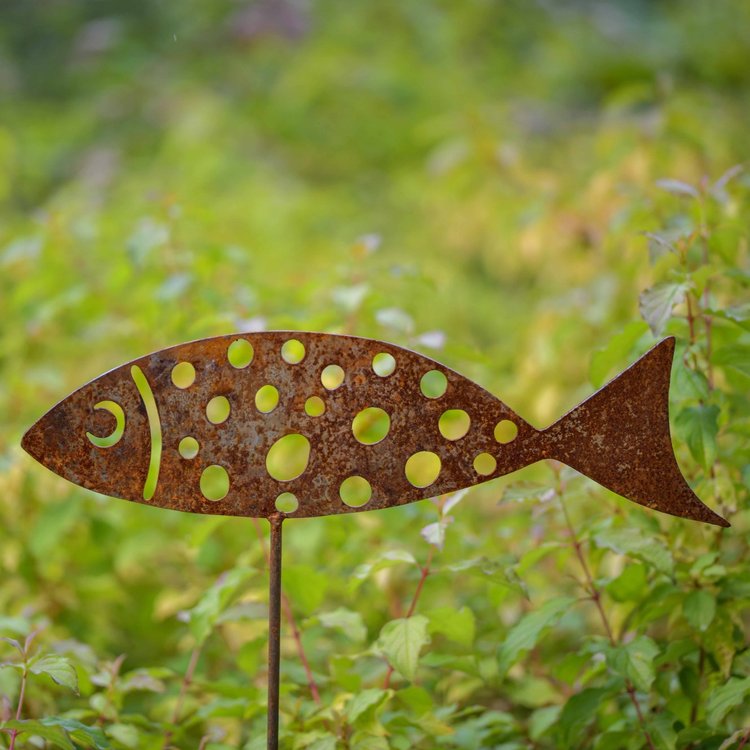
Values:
[(423, 468), (214, 482), (433, 384), (355, 492), (217, 410), (383, 364), (188, 447), (332, 377), (371, 425), (506, 431), (288, 457), (314, 406), (485, 464), (454, 424), (183, 374), (293, 352), (240, 353), (286, 502), (266, 399)]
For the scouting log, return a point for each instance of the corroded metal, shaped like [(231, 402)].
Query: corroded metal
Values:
[(619, 437), (274, 629)]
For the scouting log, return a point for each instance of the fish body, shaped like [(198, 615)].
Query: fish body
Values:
[(235, 425)]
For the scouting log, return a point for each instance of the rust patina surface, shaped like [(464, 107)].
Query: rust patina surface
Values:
[(619, 437)]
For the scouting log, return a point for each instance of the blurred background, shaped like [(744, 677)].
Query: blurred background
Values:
[(491, 183)]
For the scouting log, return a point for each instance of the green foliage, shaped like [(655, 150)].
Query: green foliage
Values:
[(532, 194)]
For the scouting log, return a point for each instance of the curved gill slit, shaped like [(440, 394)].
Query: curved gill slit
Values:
[(154, 424)]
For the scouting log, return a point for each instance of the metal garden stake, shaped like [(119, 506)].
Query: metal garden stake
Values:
[(291, 425)]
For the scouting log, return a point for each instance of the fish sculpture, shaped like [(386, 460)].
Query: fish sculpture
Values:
[(292, 424)]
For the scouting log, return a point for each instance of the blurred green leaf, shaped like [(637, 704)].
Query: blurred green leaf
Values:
[(456, 624), (401, 641), (699, 427), (656, 304), (699, 608), (722, 699), (626, 541), (523, 636), (58, 668), (635, 661)]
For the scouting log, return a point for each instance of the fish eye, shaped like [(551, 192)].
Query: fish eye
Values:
[(114, 437)]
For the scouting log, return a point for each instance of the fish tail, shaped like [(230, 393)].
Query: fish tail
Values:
[(620, 438)]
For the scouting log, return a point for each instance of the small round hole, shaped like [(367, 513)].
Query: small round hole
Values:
[(355, 492), (383, 364), (214, 482), (314, 406), (286, 502), (240, 353), (423, 468), (332, 377), (293, 352), (288, 457), (485, 464), (433, 384), (183, 374), (371, 425), (188, 447), (506, 431), (217, 410), (454, 424), (266, 399)]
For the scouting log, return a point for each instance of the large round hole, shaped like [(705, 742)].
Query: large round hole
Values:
[(433, 384), (286, 502), (188, 447), (355, 491), (183, 374), (240, 353), (266, 399), (288, 457), (217, 409), (214, 482), (505, 431), (293, 351), (423, 468), (314, 406), (332, 377), (383, 364), (485, 464), (371, 425), (454, 424)]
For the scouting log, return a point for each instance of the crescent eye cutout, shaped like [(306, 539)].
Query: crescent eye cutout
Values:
[(116, 411)]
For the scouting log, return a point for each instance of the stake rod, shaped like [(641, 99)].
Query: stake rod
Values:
[(274, 630)]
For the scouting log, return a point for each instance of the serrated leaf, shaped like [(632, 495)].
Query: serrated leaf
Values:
[(401, 641), (363, 701), (54, 735), (630, 584), (617, 349), (656, 304), (635, 661), (501, 571), (456, 624), (350, 623), (453, 500), (699, 608), (365, 741), (58, 668), (523, 636), (386, 560), (698, 426), (632, 542), (724, 698)]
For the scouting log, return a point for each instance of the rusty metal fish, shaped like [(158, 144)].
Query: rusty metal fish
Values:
[(311, 424)]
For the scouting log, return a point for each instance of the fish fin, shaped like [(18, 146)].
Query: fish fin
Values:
[(620, 438)]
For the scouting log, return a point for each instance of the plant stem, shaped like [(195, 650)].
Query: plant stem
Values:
[(289, 615), (744, 741), (19, 708), (186, 682), (596, 597), (413, 606)]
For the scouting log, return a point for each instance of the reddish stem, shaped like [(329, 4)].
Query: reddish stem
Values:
[(595, 595), (19, 708), (413, 606), (187, 680)]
